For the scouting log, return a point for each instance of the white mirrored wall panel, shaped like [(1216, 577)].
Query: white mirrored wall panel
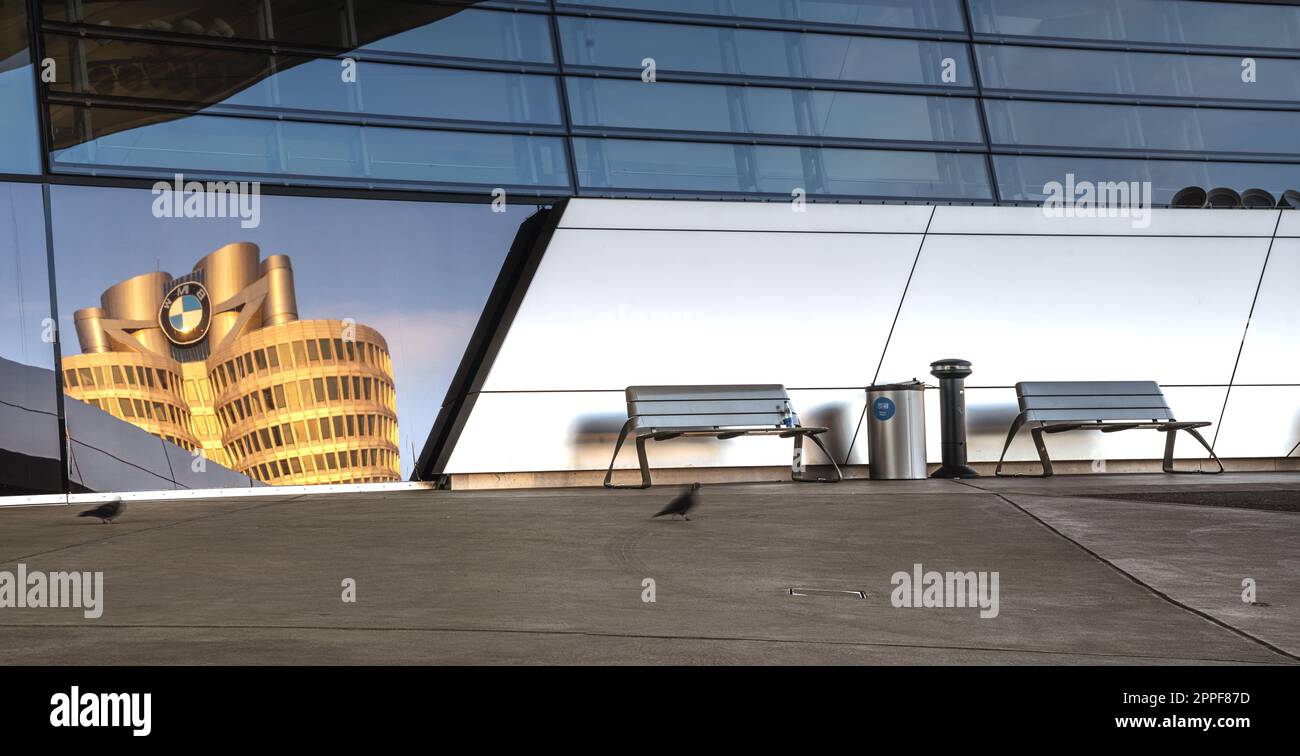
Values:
[(809, 303), (576, 430), (1289, 225), (1042, 308), (1261, 421), (670, 215), (1271, 353), (611, 309), (1124, 221)]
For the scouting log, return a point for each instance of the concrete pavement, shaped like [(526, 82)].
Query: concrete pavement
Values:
[(556, 576)]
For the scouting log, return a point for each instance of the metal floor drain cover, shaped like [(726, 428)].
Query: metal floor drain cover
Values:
[(830, 594)]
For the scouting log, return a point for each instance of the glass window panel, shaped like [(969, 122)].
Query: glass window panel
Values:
[(1161, 21), (244, 20), (909, 14), (479, 34), (20, 150), (410, 91), (700, 167), (633, 104), (24, 280), (29, 434), (303, 85), (896, 173), (751, 52), (147, 70), (208, 76), (237, 145), (1143, 128), (265, 147), (467, 158), (99, 236), (307, 22), (1045, 69), (1023, 178), (462, 95)]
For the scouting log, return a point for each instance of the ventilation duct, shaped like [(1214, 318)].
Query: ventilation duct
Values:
[(1258, 198), (1290, 200), (1223, 197), (1192, 196)]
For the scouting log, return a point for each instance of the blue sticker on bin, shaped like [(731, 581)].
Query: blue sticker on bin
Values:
[(883, 408)]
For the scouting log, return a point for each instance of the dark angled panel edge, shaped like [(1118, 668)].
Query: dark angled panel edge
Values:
[(494, 323)]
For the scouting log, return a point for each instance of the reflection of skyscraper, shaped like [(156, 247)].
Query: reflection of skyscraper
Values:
[(217, 359)]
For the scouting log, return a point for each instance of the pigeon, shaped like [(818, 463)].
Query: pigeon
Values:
[(106, 512), (682, 504)]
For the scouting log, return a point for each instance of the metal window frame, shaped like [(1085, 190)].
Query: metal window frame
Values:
[(664, 138), (563, 8), (557, 9)]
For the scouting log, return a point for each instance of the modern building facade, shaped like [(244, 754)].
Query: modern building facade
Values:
[(400, 146)]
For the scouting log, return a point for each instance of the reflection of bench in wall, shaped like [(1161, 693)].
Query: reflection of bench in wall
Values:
[(1106, 406), (664, 412)]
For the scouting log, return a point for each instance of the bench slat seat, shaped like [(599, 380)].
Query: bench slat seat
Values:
[(687, 420), (1106, 406), (1113, 427), (1084, 414), (1088, 388), (707, 407), (719, 411), (1109, 401), (773, 391)]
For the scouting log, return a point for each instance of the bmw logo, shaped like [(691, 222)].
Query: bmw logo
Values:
[(185, 313)]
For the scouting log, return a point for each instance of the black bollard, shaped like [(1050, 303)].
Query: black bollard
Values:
[(952, 418)]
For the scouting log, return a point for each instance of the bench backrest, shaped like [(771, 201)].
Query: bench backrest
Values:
[(1092, 400), (707, 406)]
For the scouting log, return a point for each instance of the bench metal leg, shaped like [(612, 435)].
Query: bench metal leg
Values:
[(1037, 433), (1043, 457), (797, 467), (1171, 436), (640, 454), (1011, 434), (642, 461)]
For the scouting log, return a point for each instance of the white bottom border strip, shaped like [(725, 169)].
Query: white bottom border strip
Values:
[(210, 493)]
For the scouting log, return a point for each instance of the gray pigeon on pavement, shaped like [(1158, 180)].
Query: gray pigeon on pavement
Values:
[(106, 512), (682, 503)]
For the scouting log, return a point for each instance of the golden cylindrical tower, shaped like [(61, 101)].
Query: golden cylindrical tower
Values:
[(308, 402), (143, 389), (138, 299), (226, 272), (90, 330), (281, 302)]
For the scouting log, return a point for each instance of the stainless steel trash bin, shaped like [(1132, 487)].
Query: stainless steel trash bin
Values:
[(896, 431)]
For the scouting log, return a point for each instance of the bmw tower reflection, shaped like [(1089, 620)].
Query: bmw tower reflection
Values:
[(217, 361)]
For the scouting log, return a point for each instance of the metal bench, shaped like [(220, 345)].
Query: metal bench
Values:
[(664, 412), (1106, 406)]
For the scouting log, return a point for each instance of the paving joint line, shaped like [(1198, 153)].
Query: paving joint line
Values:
[(1133, 578)]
